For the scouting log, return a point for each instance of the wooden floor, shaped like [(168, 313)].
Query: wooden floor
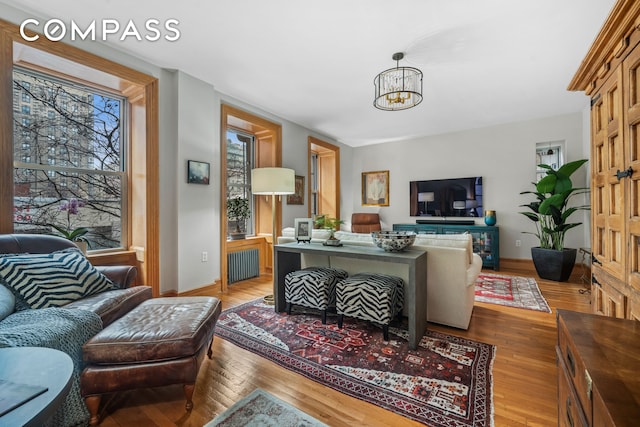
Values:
[(524, 371)]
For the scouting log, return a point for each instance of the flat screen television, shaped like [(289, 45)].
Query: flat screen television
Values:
[(456, 197)]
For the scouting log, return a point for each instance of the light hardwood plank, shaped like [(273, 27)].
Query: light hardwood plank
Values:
[(525, 384)]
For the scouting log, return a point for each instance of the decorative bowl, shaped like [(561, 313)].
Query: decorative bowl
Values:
[(393, 241)]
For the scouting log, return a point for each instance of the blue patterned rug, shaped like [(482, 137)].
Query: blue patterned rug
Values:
[(260, 408)]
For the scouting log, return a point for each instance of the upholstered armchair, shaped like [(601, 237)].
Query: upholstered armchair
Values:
[(365, 222), (121, 275)]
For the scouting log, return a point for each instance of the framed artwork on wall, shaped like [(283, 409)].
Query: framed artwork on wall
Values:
[(303, 227), (197, 172), (297, 198), (375, 188)]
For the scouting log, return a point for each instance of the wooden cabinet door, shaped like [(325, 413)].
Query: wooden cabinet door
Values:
[(631, 75), (606, 300), (608, 154), (599, 206)]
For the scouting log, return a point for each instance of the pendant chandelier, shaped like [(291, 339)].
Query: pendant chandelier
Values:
[(398, 88)]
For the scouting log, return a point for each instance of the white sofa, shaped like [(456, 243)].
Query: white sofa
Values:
[(452, 269)]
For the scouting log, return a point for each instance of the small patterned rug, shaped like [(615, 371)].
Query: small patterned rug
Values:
[(260, 408), (446, 382), (511, 291)]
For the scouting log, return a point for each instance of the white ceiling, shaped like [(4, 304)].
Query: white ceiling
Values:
[(485, 62)]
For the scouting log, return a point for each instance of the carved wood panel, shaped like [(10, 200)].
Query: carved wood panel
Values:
[(599, 207), (610, 74), (631, 73), (608, 301), (609, 223)]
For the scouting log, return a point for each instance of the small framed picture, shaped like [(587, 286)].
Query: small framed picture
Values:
[(197, 172), (375, 188), (297, 198), (303, 227)]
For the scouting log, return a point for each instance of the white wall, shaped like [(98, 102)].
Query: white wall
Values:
[(198, 204), (503, 155)]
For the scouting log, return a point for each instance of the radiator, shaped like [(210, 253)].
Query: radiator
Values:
[(242, 265)]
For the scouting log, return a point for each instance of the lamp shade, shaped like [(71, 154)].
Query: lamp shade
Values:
[(273, 181), (426, 197)]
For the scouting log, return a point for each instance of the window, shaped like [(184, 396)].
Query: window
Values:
[(314, 185), (139, 144), (324, 178), (26, 109), (240, 161), (548, 153), (69, 183)]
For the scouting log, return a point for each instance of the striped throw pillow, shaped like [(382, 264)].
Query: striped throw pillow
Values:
[(53, 279)]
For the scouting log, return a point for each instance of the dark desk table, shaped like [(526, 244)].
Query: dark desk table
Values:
[(287, 259), (38, 366)]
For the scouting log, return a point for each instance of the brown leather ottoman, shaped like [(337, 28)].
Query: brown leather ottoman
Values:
[(160, 342)]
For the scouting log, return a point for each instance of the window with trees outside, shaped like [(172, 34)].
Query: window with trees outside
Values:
[(69, 163), (240, 161)]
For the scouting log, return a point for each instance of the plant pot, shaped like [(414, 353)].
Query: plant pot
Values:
[(237, 236), (82, 246), (332, 241), (552, 264)]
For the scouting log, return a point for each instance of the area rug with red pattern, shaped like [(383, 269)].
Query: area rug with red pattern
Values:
[(446, 382), (511, 291)]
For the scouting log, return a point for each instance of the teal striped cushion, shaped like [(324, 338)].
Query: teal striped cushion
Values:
[(54, 279)]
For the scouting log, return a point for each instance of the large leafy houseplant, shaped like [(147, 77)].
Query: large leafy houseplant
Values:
[(238, 211), (550, 212)]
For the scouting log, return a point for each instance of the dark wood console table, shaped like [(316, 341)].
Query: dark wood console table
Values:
[(287, 259)]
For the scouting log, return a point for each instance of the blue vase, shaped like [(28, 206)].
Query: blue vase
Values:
[(490, 217)]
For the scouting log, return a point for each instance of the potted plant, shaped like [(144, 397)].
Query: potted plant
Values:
[(326, 222), (550, 213), (76, 235), (238, 211)]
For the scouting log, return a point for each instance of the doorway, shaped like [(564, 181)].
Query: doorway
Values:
[(324, 178)]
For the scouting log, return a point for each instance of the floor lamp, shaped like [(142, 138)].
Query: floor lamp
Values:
[(272, 182)]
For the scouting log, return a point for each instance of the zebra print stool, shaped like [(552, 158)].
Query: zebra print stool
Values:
[(374, 297), (313, 287)]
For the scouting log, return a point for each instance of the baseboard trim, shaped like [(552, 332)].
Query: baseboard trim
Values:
[(210, 289), (526, 267), (205, 290), (517, 264)]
